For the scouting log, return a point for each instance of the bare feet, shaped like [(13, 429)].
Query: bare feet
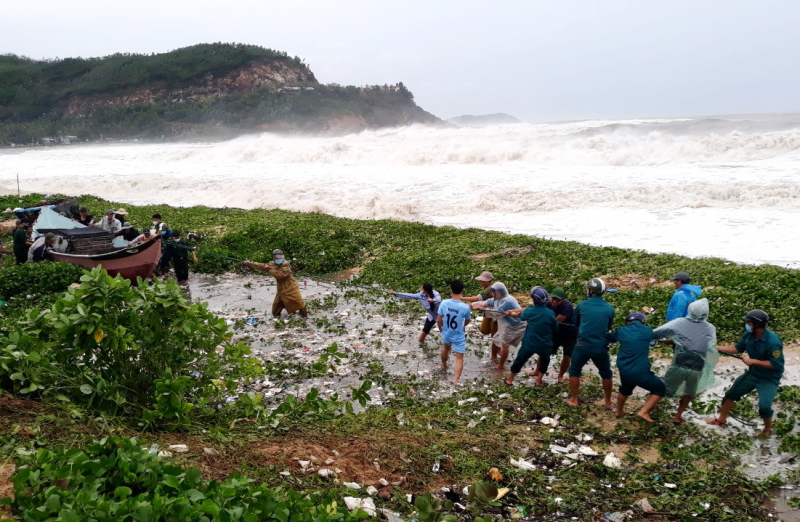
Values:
[(764, 434), (561, 379), (645, 416), (534, 373), (608, 405), (573, 402), (620, 413), (716, 422), (678, 419), (538, 382), (499, 367)]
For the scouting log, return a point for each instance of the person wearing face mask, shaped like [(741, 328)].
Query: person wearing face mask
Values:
[(288, 292), (694, 342), (430, 301), (510, 329), (765, 364), (180, 257)]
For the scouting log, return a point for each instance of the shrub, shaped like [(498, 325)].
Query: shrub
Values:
[(38, 279), (115, 479)]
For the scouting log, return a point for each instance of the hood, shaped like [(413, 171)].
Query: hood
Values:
[(695, 289), (500, 290), (698, 311)]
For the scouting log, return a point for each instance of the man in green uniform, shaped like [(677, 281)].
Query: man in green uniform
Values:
[(20, 237), (593, 318), (765, 368), (540, 331), (634, 364)]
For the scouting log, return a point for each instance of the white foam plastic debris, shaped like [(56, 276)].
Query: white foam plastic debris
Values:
[(285, 473), (555, 448), (210, 451), (328, 462), (472, 424), (583, 437), (670, 485), (611, 461), (164, 454), (572, 456), (503, 396), (391, 516), (558, 501), (326, 473), (178, 448), (546, 420), (587, 451), (383, 482), (372, 491), (367, 505), (352, 485), (644, 505), (305, 464), (523, 464)]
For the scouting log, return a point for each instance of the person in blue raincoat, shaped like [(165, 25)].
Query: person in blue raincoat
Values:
[(685, 294), (430, 301)]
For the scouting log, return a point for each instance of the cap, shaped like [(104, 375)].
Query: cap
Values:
[(126, 225), (121, 211), (83, 209), (683, 277), (49, 235), (176, 233), (636, 316), (19, 222), (109, 212), (277, 252), (156, 216), (558, 293), (485, 276)]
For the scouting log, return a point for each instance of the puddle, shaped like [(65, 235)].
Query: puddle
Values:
[(779, 503), (356, 320)]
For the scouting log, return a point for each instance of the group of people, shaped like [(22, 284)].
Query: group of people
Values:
[(585, 333)]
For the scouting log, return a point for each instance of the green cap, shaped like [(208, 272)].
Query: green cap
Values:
[(558, 293)]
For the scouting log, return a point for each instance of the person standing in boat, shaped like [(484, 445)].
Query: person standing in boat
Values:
[(109, 223), (288, 292), (84, 218)]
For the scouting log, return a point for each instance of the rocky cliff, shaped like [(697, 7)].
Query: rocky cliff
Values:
[(209, 90)]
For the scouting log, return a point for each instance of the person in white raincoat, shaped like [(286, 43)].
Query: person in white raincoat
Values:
[(695, 355), (509, 329)]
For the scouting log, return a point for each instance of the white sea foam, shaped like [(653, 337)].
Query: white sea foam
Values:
[(726, 186)]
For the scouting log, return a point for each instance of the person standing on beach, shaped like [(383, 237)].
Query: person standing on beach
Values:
[(694, 342), (634, 364), (765, 364), (180, 257), (510, 329), (430, 301), (453, 317), (567, 333), (540, 330), (288, 293), (20, 242), (685, 294), (488, 324), (593, 318)]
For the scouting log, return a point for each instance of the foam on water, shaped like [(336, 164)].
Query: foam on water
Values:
[(718, 186)]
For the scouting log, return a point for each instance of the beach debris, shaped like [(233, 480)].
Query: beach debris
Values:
[(383, 482), (178, 448), (549, 421), (644, 505), (285, 473), (502, 492), (436, 466), (352, 485), (555, 448), (471, 424), (516, 513), (326, 473), (465, 401), (670, 485), (583, 437), (164, 454), (390, 516), (495, 474), (372, 491), (611, 461), (367, 505), (587, 451), (305, 464), (788, 457), (523, 464), (210, 452)]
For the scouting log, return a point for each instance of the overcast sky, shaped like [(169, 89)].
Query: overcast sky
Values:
[(537, 60)]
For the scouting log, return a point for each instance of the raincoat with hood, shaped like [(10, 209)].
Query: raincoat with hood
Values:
[(681, 299), (509, 329), (288, 291), (692, 368)]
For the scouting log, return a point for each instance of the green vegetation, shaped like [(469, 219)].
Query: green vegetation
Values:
[(126, 96), (90, 373), (37, 279)]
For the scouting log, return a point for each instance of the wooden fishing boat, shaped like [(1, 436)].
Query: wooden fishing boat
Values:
[(91, 247)]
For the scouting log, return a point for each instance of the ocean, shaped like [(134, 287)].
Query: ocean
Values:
[(725, 186)]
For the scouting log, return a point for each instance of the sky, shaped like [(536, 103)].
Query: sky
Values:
[(536, 60)]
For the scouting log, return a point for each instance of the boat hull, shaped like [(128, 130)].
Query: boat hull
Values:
[(130, 263)]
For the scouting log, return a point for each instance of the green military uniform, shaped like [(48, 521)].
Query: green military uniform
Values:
[(633, 359), (764, 380), (20, 245), (593, 319), (540, 331)]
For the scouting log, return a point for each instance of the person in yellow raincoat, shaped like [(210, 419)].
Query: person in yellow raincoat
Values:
[(288, 293)]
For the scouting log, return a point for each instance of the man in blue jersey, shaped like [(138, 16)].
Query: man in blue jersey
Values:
[(453, 317), (685, 294)]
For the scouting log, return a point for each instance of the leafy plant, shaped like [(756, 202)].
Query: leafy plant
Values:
[(37, 279)]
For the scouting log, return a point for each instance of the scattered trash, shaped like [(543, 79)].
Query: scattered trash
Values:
[(305, 464), (365, 504), (644, 505), (495, 474), (391, 516), (164, 454), (210, 451), (352, 485), (372, 491), (285, 473), (523, 464), (383, 482), (436, 466), (549, 421), (516, 513), (178, 448), (555, 448), (558, 501), (252, 320), (787, 458), (670, 485), (502, 492), (471, 424), (587, 451), (326, 473), (611, 461)]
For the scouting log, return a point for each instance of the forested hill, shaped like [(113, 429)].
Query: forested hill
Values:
[(204, 91)]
